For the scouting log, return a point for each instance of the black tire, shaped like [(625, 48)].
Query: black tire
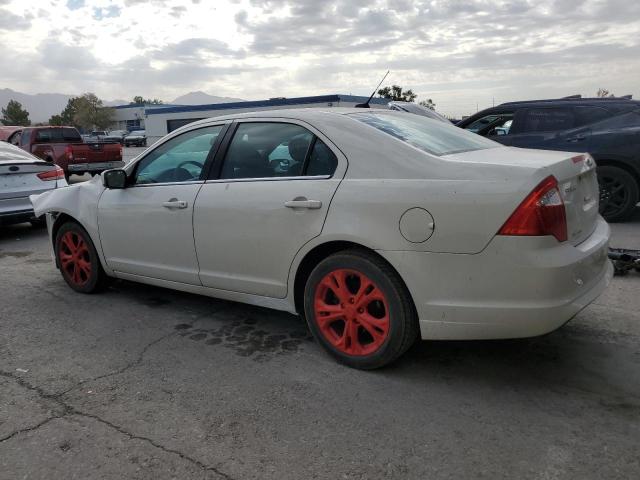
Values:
[(85, 282), (398, 310), (619, 193)]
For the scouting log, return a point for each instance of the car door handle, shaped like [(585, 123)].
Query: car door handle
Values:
[(577, 138), (303, 203), (175, 203)]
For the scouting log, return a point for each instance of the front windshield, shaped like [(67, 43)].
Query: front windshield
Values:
[(431, 136)]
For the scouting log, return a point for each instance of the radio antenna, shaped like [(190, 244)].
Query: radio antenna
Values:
[(366, 104)]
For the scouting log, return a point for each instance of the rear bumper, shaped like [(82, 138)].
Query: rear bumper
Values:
[(16, 210), (20, 216), (95, 167), (516, 287)]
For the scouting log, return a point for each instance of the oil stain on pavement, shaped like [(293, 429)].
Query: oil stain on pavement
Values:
[(247, 339)]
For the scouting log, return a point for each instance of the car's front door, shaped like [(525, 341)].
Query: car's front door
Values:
[(146, 229), (267, 197)]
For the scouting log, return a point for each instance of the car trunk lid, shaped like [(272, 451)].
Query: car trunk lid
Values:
[(578, 187), (574, 172), (20, 177)]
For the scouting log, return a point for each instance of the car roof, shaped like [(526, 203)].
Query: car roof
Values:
[(617, 101), (310, 113)]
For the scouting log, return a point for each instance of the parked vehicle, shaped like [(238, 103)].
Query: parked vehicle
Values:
[(430, 231), (117, 136), (418, 109), (607, 128), (21, 175), (64, 147), (137, 138)]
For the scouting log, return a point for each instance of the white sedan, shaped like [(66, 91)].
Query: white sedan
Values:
[(23, 175), (376, 226)]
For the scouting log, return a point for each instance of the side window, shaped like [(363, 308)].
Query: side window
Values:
[(322, 161), (493, 124), (547, 120), (71, 135), (589, 115), (43, 135), (181, 159), (25, 137), (263, 150)]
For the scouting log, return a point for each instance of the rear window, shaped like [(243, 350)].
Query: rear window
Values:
[(431, 136), (57, 135)]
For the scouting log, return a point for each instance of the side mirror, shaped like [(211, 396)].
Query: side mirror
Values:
[(116, 178)]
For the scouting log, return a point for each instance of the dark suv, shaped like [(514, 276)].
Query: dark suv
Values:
[(607, 128)]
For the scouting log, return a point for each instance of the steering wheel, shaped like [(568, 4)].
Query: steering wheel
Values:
[(180, 167)]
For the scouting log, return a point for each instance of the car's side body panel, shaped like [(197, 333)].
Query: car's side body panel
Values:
[(253, 254), (155, 232)]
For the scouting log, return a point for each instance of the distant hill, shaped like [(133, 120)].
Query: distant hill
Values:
[(201, 98), (115, 103), (40, 106)]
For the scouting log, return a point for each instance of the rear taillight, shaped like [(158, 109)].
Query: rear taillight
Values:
[(69, 153), (121, 151), (57, 174), (541, 213)]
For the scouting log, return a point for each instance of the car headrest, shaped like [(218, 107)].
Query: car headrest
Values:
[(298, 146)]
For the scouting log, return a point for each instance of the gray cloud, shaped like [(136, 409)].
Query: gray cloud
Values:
[(456, 51), (11, 21)]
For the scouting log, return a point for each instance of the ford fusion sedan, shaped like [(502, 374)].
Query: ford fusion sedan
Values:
[(22, 175), (378, 227)]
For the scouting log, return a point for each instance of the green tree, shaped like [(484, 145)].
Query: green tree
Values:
[(91, 113), (69, 113), (395, 92), (57, 121), (14, 114), (428, 103), (138, 100)]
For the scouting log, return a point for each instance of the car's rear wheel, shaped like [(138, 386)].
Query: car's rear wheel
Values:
[(78, 260), (359, 310), (618, 193)]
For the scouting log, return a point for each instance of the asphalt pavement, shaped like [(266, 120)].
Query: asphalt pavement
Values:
[(141, 382)]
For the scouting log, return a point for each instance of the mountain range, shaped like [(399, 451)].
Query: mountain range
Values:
[(42, 106)]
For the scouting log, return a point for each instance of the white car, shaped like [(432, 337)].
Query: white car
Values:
[(22, 175), (376, 226)]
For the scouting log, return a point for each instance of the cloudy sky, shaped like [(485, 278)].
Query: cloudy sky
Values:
[(463, 54)]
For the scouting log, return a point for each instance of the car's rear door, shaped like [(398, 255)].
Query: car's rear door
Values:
[(549, 128), (146, 229), (266, 198)]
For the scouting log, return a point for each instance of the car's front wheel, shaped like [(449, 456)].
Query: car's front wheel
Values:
[(359, 310), (78, 260), (618, 193)]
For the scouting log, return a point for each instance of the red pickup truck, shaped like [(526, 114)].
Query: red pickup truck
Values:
[(64, 147)]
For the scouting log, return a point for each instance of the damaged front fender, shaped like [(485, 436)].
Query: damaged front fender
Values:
[(80, 202)]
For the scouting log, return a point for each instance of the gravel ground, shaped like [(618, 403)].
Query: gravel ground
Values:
[(146, 383)]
